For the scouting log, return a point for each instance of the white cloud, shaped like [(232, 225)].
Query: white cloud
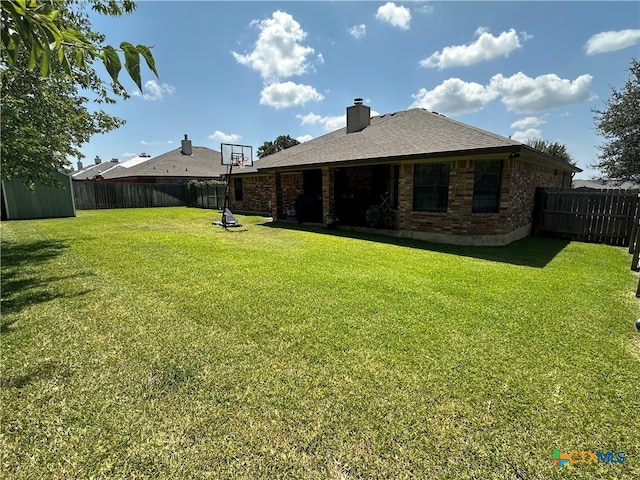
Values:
[(486, 47), (155, 143), (527, 122), (358, 31), (398, 16), (224, 137), (310, 119), (423, 7), (454, 96), (288, 94), (526, 135), (304, 138), (154, 91), (521, 93), (611, 41), (278, 52), (330, 123)]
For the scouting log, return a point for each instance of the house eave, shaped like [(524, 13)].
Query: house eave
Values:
[(503, 151)]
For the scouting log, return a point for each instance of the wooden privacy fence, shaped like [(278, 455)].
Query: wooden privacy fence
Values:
[(594, 216), (96, 195)]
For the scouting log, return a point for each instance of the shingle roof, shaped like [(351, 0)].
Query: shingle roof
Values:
[(88, 173), (408, 133), (202, 163)]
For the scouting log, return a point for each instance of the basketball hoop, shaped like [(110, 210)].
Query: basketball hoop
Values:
[(236, 155), (233, 155), (239, 160)]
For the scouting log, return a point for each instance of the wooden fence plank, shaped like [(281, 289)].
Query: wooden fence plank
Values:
[(98, 195), (597, 216)]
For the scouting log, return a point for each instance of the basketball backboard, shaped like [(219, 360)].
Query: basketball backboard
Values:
[(236, 155)]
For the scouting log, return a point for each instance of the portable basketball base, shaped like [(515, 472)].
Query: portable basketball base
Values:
[(239, 155)]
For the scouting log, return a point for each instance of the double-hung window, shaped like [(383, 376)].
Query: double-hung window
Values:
[(486, 186), (431, 187)]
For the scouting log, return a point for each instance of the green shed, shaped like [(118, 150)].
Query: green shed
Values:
[(20, 203)]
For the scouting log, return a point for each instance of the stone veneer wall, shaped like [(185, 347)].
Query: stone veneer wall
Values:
[(517, 190)]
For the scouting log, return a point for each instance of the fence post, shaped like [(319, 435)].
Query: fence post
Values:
[(636, 248), (634, 228)]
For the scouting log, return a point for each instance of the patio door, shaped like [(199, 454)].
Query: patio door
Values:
[(311, 205)]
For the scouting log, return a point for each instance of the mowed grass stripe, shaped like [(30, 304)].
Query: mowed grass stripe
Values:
[(148, 343)]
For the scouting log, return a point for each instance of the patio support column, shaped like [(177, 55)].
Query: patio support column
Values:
[(328, 192), (276, 196)]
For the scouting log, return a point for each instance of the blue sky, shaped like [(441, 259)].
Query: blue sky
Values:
[(247, 72)]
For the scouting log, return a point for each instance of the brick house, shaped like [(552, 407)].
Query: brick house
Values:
[(435, 178)]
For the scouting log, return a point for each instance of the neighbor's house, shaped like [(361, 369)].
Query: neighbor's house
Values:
[(604, 185), (442, 180), (180, 165)]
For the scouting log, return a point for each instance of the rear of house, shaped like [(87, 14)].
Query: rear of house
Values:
[(412, 173)]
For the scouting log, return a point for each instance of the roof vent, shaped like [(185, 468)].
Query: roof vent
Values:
[(357, 101)]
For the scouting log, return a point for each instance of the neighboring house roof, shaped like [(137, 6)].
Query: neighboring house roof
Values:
[(90, 172), (202, 163), (605, 185), (414, 133)]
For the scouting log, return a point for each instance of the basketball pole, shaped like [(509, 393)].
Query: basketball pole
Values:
[(226, 197)]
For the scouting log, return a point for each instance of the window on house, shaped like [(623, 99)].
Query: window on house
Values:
[(237, 186), (486, 186), (431, 187)]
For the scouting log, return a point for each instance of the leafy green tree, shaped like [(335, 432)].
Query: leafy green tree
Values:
[(553, 149), (619, 124), (47, 58), (280, 143), (51, 30), (44, 121)]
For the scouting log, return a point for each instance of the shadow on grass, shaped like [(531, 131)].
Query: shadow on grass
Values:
[(44, 371), (534, 252), (23, 283)]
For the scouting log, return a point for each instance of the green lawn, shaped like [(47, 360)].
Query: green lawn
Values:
[(147, 343)]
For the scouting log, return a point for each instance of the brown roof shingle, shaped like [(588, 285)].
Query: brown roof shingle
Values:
[(409, 133), (202, 163)]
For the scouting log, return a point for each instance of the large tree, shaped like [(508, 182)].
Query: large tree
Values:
[(59, 30), (553, 149), (280, 143), (619, 124), (44, 121), (48, 53)]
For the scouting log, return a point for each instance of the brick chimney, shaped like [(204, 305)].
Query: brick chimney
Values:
[(358, 116), (186, 146)]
